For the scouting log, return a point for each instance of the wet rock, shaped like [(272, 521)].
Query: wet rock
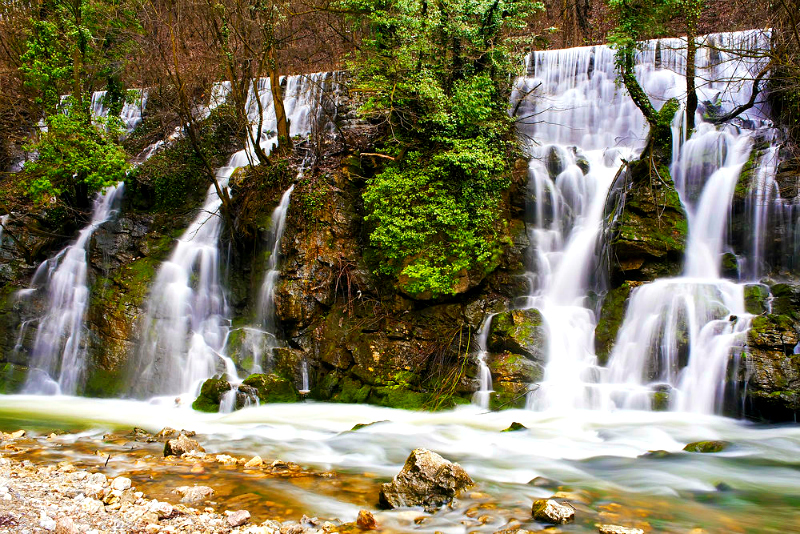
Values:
[(426, 480), (616, 529), (211, 393), (237, 518), (707, 446), (756, 298), (366, 521), (162, 510), (272, 388), (650, 225), (254, 462), (181, 445), (551, 511), (519, 332), (194, 494), (730, 266), (612, 313), (514, 427)]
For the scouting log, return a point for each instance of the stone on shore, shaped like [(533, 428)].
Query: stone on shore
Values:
[(181, 445), (65, 525), (551, 511), (237, 518), (121, 483), (426, 480)]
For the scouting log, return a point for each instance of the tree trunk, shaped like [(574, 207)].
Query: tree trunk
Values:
[(284, 136)]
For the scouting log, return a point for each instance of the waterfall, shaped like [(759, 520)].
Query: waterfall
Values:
[(3, 221), (304, 386), (262, 339), (131, 113), (678, 334), (187, 321), (57, 362), (481, 397)]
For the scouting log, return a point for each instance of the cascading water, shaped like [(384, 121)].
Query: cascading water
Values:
[(130, 114), (261, 339), (187, 320), (57, 360), (677, 333), (482, 396)]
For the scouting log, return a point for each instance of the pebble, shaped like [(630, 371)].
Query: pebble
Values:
[(65, 525), (237, 518)]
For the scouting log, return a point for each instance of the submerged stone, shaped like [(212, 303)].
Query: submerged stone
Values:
[(551, 511), (617, 529), (707, 446), (426, 480)]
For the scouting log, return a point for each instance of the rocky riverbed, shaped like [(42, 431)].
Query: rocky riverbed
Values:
[(60, 497)]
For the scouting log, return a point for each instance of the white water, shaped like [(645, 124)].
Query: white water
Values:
[(3, 222), (584, 123), (187, 320), (596, 454), (482, 396), (131, 113), (57, 360), (261, 340)]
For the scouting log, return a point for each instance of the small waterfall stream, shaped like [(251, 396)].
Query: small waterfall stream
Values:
[(481, 397), (188, 320), (57, 359)]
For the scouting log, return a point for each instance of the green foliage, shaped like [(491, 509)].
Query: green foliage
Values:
[(176, 176), (437, 78), (75, 45), (76, 158)]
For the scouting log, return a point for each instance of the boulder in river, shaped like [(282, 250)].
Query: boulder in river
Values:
[(426, 480), (707, 446), (181, 445), (552, 511), (366, 521)]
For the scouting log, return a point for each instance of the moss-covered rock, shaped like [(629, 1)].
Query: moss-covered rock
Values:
[(612, 313), (756, 298), (12, 378), (272, 388), (520, 332), (707, 446), (211, 393), (649, 224)]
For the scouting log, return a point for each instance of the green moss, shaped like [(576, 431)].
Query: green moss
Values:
[(12, 378), (399, 398), (707, 446), (352, 391), (515, 427), (660, 401), (211, 393), (756, 298), (612, 314), (273, 388)]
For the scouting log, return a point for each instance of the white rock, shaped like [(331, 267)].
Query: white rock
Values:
[(92, 506), (237, 518), (65, 525), (97, 479), (225, 459), (161, 509), (194, 494), (121, 483), (46, 522)]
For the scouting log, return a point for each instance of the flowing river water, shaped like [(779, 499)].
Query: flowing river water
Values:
[(602, 460)]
